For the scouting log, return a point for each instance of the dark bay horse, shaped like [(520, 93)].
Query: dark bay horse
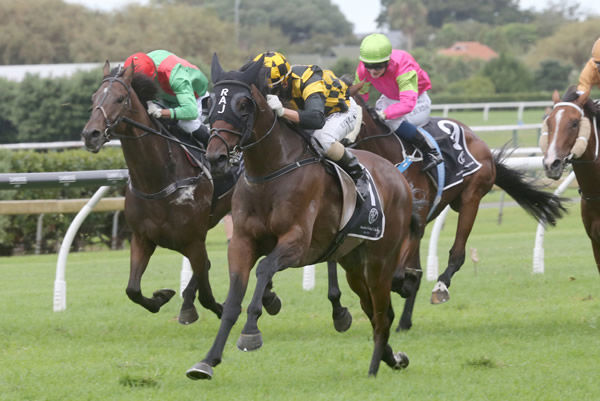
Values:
[(570, 135), (168, 201), (288, 208), (463, 198)]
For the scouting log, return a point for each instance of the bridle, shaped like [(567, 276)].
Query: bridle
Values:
[(235, 153), (109, 125)]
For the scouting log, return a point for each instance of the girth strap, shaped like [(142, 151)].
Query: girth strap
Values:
[(281, 171), (166, 191)]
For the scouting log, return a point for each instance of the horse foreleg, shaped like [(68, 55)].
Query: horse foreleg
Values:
[(241, 259), (456, 258), (282, 256), (141, 250), (342, 319)]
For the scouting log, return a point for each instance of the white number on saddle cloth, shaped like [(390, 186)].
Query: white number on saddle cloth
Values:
[(453, 130)]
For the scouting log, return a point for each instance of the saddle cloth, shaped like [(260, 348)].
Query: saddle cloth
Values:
[(458, 161), (362, 219)]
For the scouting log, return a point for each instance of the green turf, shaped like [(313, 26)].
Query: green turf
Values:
[(506, 334)]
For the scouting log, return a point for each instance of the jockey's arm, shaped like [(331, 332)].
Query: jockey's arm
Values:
[(187, 108), (589, 77), (313, 114)]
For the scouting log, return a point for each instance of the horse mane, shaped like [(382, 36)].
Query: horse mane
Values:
[(571, 95), (144, 87)]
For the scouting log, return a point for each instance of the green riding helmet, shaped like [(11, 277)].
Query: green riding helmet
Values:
[(375, 48)]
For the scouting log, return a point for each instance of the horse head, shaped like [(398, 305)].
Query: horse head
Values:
[(235, 109), (565, 132), (110, 103)]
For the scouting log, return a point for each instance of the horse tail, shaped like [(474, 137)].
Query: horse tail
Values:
[(542, 205)]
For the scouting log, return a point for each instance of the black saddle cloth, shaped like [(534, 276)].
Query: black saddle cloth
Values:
[(458, 161)]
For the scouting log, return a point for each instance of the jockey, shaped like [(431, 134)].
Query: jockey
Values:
[(181, 87), (316, 100), (404, 104), (590, 75)]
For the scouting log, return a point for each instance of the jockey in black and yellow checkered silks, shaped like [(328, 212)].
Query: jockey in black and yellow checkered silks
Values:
[(316, 100)]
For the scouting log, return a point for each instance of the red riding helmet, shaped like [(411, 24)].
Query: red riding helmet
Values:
[(141, 63)]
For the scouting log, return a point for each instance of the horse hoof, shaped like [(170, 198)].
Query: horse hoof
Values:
[(273, 306), (201, 370), (219, 310), (342, 322), (164, 295), (401, 361), (249, 342), (188, 316), (402, 326), (439, 297), (440, 294)]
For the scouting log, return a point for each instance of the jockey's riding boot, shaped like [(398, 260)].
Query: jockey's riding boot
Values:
[(431, 156), (349, 163), (201, 135)]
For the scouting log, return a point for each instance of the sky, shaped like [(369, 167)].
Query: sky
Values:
[(362, 13)]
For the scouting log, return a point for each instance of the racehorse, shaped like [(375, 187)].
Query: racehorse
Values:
[(168, 201), (570, 135), (289, 208), (464, 198)]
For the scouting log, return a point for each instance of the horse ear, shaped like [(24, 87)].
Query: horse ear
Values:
[(128, 73), (106, 68), (353, 89), (216, 71), (258, 97), (251, 74), (583, 97), (555, 96)]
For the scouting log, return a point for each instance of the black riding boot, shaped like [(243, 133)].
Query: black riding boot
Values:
[(431, 156), (201, 135), (349, 163)]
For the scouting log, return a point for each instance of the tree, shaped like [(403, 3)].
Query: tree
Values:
[(8, 130), (299, 21), (552, 75), (494, 12), (408, 16), (571, 43), (508, 74)]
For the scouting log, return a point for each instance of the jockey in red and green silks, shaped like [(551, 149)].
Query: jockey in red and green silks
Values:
[(404, 104), (181, 88)]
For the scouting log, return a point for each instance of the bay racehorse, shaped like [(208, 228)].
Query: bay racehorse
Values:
[(570, 135), (463, 197), (168, 201), (288, 208)]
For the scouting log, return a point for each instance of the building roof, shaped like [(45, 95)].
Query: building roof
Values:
[(474, 50), (18, 72)]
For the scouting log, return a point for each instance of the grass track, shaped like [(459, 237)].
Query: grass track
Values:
[(506, 334)]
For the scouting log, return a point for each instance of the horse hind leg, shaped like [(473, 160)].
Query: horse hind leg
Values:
[(201, 267), (188, 313), (456, 258), (141, 250), (342, 319)]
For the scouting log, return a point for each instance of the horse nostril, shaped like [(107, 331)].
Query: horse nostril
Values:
[(555, 164)]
